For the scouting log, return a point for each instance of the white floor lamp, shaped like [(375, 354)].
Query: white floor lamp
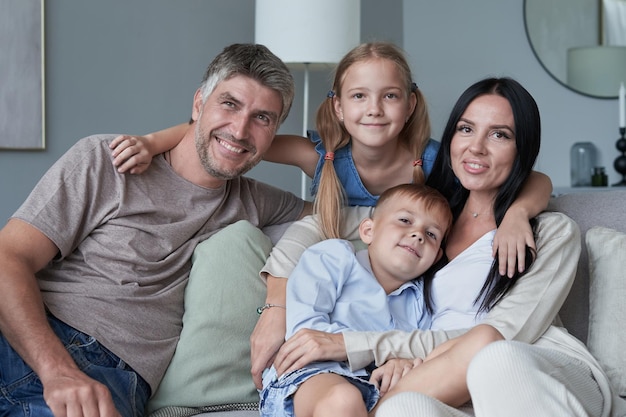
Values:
[(307, 32)]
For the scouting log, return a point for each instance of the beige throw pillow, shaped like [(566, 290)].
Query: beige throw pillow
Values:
[(607, 302)]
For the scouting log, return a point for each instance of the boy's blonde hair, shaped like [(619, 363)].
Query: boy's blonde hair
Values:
[(330, 197), (432, 200)]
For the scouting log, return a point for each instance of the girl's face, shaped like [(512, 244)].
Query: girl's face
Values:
[(483, 148), (374, 104)]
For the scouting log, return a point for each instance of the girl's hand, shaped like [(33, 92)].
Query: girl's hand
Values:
[(266, 339), (387, 376), (510, 242), (131, 154), (307, 346)]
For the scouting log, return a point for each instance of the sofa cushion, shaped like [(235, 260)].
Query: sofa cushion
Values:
[(598, 208), (606, 249), (211, 365)]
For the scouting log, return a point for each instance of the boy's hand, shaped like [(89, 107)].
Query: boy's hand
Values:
[(131, 154)]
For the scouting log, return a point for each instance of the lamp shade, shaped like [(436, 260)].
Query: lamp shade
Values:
[(596, 70), (308, 31)]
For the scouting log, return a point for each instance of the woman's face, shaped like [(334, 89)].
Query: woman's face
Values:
[(483, 148)]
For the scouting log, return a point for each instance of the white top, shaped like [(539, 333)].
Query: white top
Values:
[(456, 286)]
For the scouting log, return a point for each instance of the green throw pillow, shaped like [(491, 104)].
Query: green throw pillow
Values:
[(211, 365)]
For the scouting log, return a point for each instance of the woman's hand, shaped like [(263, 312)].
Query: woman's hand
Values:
[(511, 240), (131, 153), (267, 337), (387, 376), (308, 346)]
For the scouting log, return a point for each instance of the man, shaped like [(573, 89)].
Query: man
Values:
[(94, 264)]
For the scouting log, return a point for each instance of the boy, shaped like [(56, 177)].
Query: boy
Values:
[(335, 288)]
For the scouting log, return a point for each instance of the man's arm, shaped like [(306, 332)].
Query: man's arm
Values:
[(24, 250), (306, 210)]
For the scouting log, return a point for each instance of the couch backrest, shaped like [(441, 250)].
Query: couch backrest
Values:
[(605, 207)]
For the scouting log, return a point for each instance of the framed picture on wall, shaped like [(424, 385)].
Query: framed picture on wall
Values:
[(22, 116)]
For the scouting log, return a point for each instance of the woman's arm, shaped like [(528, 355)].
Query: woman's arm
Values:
[(514, 233), (442, 375), (530, 307), (134, 153), (524, 314)]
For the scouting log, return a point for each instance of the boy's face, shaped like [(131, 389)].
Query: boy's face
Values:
[(404, 240)]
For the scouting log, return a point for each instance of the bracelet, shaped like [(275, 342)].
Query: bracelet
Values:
[(266, 306)]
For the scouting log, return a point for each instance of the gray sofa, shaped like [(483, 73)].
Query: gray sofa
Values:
[(598, 208)]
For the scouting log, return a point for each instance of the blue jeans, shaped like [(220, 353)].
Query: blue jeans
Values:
[(21, 391)]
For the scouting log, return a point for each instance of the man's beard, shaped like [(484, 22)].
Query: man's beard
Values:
[(203, 139)]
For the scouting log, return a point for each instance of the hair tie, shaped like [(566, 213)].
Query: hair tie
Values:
[(417, 162), (330, 94), (414, 87), (330, 156)]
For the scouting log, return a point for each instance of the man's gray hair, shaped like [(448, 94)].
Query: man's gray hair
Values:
[(254, 61)]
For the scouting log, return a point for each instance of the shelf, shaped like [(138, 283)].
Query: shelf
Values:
[(557, 191)]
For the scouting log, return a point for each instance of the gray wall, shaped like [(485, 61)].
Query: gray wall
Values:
[(132, 67), (121, 66)]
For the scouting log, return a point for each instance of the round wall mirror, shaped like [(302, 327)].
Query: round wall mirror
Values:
[(565, 36)]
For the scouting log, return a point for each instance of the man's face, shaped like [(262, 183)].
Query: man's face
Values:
[(235, 126)]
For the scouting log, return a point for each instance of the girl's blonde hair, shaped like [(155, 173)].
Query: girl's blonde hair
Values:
[(330, 197)]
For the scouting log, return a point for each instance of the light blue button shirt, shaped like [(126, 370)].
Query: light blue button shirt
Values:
[(333, 289)]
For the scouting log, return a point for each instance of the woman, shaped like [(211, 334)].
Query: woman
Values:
[(488, 148)]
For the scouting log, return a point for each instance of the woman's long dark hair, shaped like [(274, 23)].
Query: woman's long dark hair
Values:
[(527, 140)]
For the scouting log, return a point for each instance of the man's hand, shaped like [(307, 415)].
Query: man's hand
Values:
[(308, 346), (73, 394), (266, 339)]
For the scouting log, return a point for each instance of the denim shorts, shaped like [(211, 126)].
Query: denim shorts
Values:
[(277, 397), (21, 391)]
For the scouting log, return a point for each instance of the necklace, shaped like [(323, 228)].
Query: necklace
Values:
[(487, 209), (475, 214)]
